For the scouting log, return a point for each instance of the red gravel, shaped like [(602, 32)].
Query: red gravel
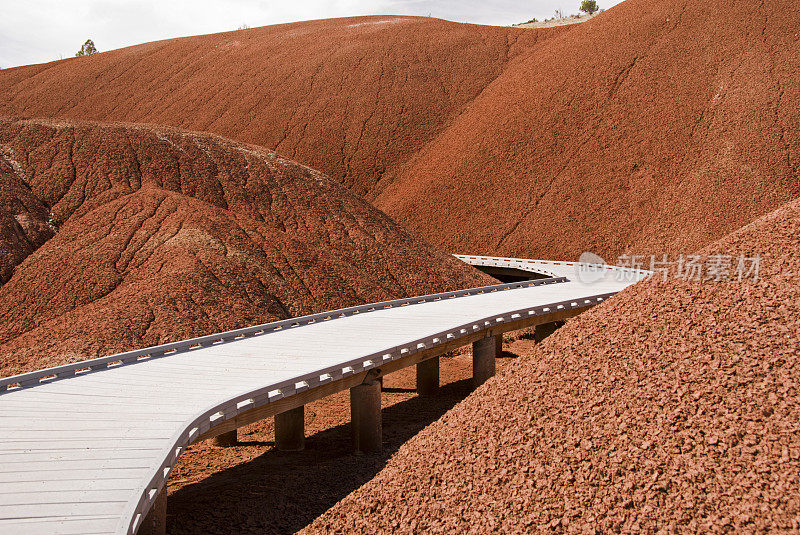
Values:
[(671, 408), (164, 234)]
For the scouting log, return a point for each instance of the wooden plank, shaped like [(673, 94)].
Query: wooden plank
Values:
[(80, 465), (8, 459), (141, 399), (115, 413), (60, 496), (61, 525), (62, 509), (74, 395), (33, 401), (87, 436), (54, 474), (164, 389), (120, 443), (78, 422), (69, 485)]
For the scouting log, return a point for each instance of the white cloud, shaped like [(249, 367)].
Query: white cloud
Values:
[(35, 31)]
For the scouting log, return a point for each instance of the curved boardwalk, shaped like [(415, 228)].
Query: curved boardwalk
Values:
[(87, 448)]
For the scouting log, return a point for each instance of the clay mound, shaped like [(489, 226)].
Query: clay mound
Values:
[(672, 407), (655, 127), (123, 236), (352, 97)]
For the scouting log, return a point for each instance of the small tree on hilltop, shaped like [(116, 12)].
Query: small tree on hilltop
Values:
[(87, 49), (589, 6)]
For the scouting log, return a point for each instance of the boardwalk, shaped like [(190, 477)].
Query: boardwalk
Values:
[(87, 448)]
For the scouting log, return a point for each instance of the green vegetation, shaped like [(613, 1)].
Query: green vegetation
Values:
[(87, 49), (589, 6)]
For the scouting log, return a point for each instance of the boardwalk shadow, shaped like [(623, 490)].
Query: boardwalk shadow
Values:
[(283, 492)]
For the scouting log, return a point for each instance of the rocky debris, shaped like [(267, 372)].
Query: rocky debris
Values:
[(671, 408), (124, 236)]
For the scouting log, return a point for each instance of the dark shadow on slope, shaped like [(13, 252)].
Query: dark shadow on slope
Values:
[(283, 492), (398, 390)]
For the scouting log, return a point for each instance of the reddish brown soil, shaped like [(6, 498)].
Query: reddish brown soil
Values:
[(654, 127), (123, 236), (671, 408), (352, 97)]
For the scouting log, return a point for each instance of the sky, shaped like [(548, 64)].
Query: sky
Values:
[(37, 31)]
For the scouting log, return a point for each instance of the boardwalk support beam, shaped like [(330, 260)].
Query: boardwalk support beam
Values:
[(365, 412), (484, 351), (290, 429), (155, 523), (428, 377)]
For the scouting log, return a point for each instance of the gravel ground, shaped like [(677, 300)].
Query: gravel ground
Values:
[(671, 408)]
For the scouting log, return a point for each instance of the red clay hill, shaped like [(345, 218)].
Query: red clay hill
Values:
[(655, 127), (351, 97), (671, 408), (114, 237)]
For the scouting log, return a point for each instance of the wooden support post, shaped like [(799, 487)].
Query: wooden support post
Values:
[(155, 523), (290, 431), (484, 351), (428, 377), (226, 439), (499, 339), (365, 413), (545, 329)]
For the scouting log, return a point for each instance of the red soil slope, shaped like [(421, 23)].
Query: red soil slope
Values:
[(118, 236), (671, 408), (351, 97), (655, 127)]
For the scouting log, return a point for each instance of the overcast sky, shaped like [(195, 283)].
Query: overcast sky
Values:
[(36, 31)]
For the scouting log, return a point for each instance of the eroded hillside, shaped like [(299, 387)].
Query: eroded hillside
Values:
[(121, 236)]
